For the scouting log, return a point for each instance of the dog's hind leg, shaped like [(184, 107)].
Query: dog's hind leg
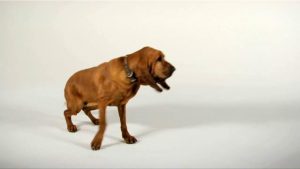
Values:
[(74, 108), (87, 110)]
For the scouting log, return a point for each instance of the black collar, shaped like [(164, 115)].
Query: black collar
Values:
[(130, 74)]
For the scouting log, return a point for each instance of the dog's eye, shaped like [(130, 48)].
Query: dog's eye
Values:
[(159, 59)]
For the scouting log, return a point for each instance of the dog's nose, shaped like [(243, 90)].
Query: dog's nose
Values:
[(172, 68)]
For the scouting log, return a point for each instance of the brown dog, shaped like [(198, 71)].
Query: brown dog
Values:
[(113, 83)]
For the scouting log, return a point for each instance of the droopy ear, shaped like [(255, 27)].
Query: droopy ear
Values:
[(149, 79), (145, 75), (164, 84)]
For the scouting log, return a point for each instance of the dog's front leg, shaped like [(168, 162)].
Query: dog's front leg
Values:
[(125, 134), (96, 143)]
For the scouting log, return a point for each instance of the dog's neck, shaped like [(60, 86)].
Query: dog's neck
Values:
[(130, 74)]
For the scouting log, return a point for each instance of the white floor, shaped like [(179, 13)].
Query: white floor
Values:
[(234, 100), (33, 134)]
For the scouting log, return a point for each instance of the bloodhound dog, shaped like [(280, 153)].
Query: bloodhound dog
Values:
[(114, 83)]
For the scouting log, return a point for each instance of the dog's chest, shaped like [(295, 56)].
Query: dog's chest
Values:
[(123, 96)]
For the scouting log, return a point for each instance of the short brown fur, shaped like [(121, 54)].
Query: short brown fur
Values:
[(108, 85)]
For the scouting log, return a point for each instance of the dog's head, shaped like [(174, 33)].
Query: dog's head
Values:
[(154, 68)]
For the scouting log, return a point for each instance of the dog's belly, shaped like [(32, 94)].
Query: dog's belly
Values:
[(91, 104), (95, 104), (118, 97), (115, 100)]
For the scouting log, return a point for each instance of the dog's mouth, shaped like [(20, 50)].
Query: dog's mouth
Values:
[(162, 82), (159, 79)]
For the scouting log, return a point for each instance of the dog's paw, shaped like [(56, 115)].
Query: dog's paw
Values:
[(130, 139), (95, 121), (95, 145), (72, 128)]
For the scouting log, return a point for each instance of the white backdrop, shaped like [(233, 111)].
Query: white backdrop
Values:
[(234, 98)]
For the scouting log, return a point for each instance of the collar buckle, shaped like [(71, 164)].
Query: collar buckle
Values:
[(129, 72)]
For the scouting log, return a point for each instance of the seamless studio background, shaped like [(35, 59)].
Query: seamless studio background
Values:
[(234, 98)]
